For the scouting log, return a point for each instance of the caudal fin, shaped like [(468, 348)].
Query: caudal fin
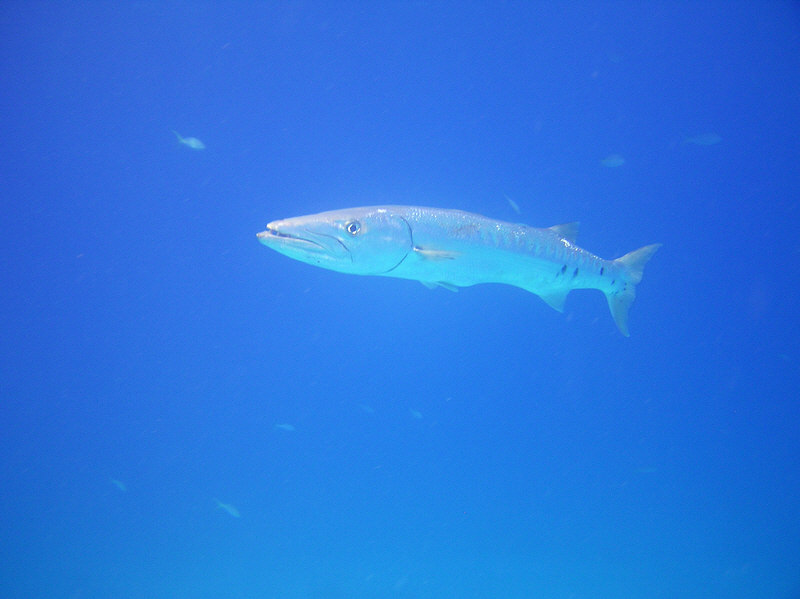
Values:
[(620, 300)]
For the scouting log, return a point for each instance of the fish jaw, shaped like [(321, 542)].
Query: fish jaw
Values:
[(292, 239)]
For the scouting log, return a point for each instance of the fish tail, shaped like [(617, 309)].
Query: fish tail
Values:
[(620, 300)]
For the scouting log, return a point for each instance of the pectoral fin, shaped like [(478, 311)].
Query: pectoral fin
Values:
[(435, 255)]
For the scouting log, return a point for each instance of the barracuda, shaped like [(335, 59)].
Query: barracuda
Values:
[(451, 249)]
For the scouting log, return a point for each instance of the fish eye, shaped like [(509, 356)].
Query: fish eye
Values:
[(353, 227)]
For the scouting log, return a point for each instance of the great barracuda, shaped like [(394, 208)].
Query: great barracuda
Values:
[(451, 249)]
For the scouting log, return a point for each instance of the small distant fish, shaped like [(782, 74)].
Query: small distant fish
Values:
[(190, 142), (704, 139), (613, 161), (119, 484), (285, 427), (416, 414), (228, 508), (514, 205)]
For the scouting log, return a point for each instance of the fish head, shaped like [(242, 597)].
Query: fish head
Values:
[(363, 241)]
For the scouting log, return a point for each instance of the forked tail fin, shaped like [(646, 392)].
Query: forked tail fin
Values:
[(620, 300)]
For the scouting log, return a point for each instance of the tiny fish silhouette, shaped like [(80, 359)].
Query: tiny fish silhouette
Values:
[(514, 205), (704, 139), (228, 508), (190, 142), (613, 161)]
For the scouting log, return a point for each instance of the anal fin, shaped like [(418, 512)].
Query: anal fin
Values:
[(555, 299)]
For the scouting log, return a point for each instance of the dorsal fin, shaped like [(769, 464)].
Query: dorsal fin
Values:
[(568, 231)]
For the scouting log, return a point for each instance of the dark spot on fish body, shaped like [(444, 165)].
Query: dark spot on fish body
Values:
[(563, 269), (575, 273), (602, 270)]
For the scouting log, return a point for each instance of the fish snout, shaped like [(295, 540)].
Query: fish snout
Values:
[(276, 229), (294, 239)]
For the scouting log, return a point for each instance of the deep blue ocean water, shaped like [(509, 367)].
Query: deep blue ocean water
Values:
[(187, 414)]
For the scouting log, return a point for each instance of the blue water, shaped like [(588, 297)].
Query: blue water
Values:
[(369, 437)]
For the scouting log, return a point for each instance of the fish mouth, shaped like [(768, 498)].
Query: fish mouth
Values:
[(273, 236), (298, 241)]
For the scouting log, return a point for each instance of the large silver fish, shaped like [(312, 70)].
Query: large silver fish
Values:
[(451, 248)]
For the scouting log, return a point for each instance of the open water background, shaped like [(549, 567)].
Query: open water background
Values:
[(378, 439)]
